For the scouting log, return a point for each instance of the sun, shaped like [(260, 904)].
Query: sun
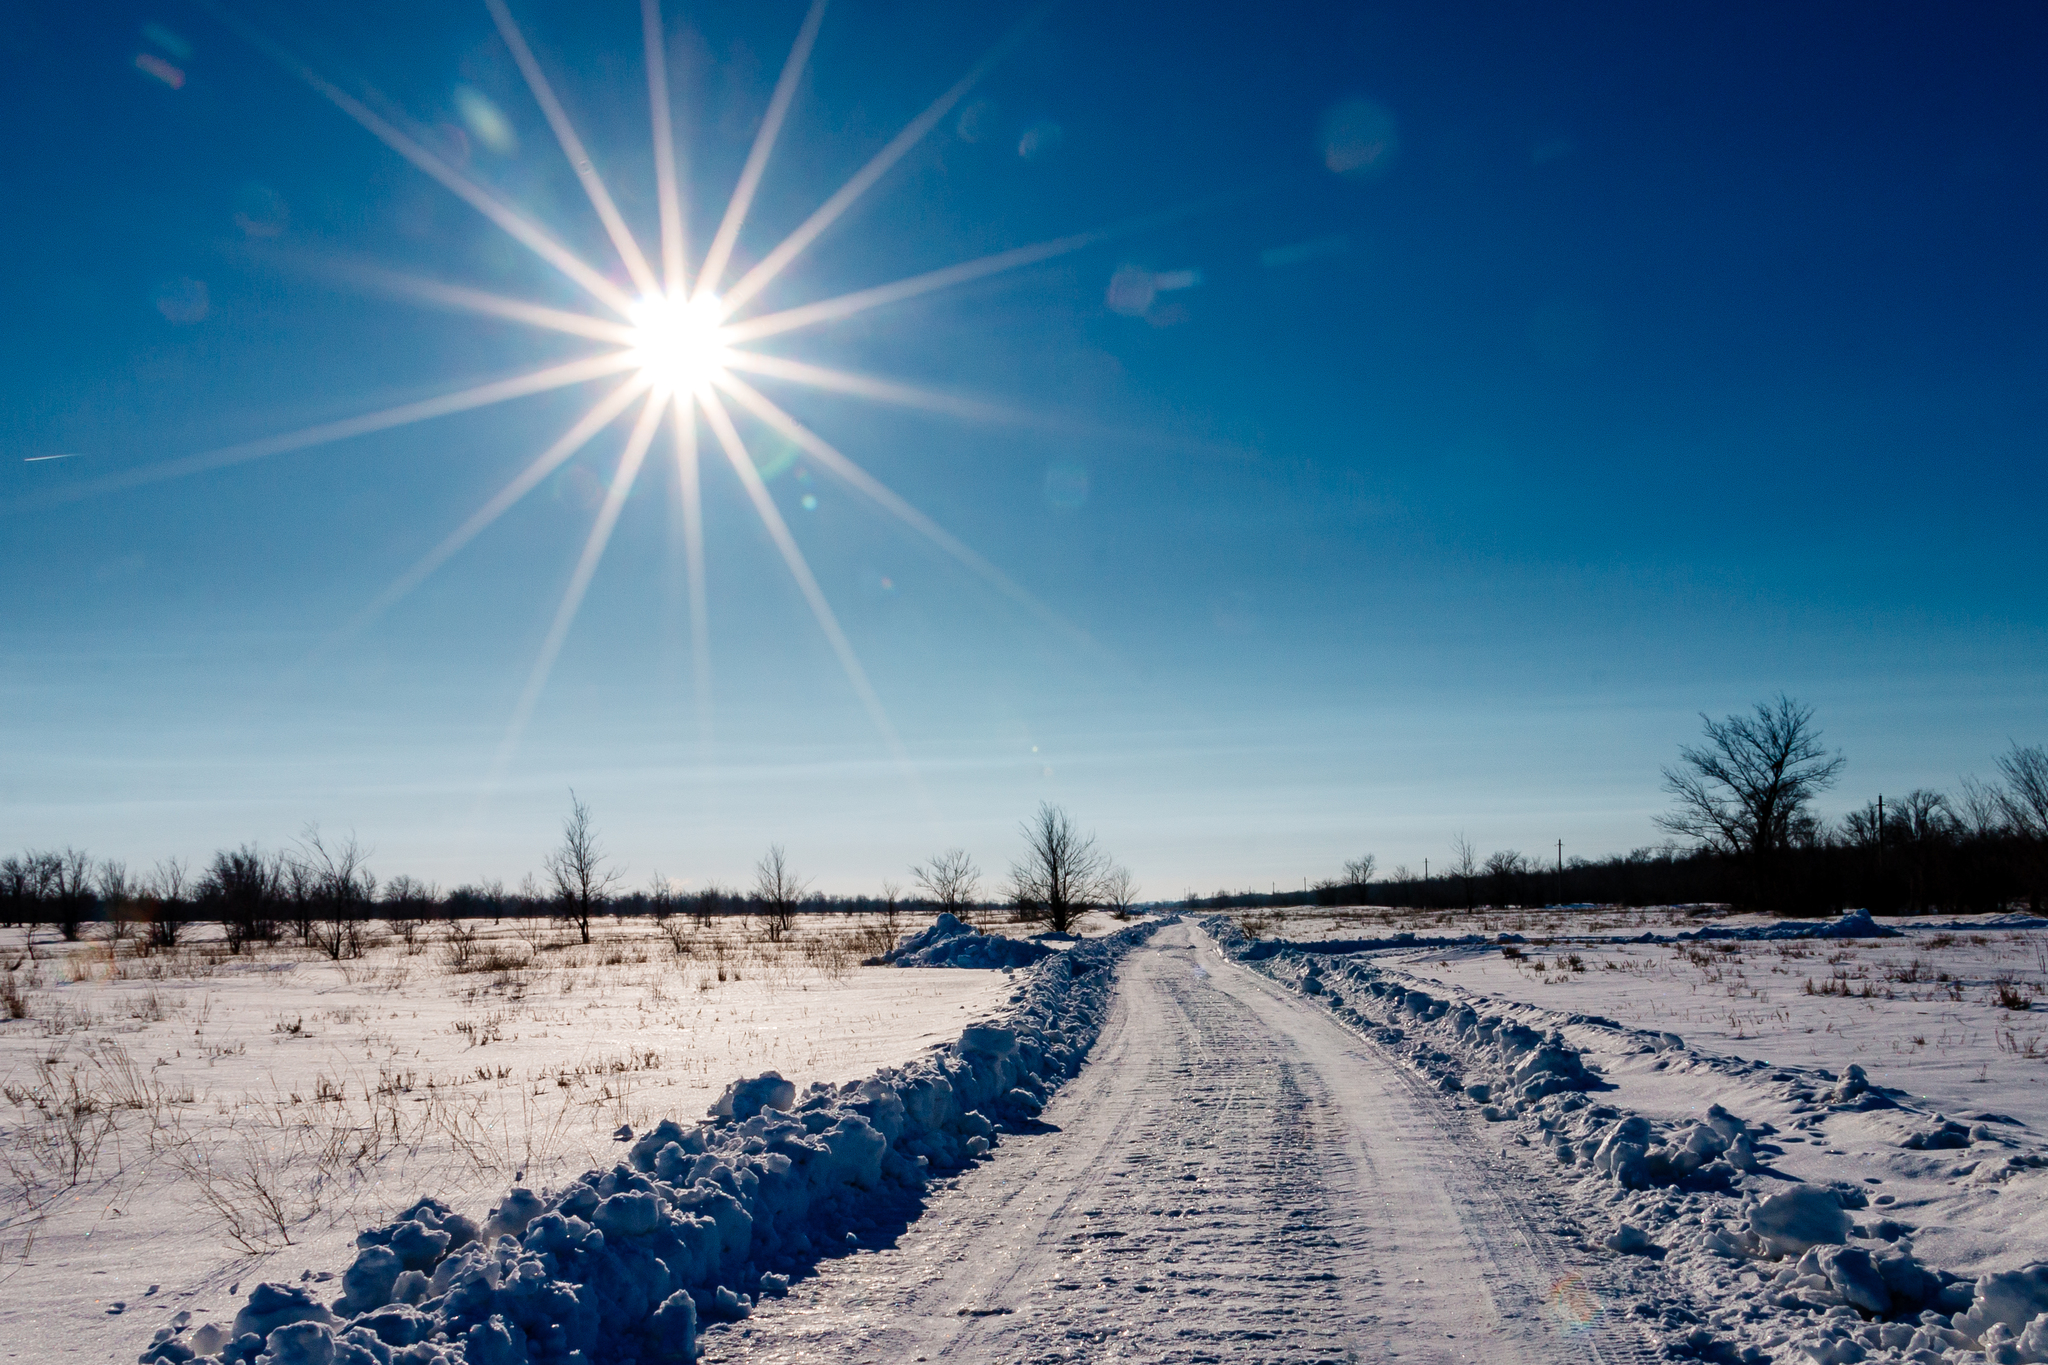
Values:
[(673, 348), (679, 344)]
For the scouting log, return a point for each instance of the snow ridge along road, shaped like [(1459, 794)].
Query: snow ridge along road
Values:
[(1233, 1176)]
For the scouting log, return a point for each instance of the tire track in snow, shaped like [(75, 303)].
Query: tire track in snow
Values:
[(1234, 1176)]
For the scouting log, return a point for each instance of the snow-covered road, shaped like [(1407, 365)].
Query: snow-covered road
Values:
[(1234, 1176)]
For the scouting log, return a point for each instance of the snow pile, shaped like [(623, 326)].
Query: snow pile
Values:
[(953, 943), (1793, 1274), (622, 1265), (1855, 924)]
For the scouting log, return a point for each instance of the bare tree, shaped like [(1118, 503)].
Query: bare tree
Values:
[(950, 878), (117, 897), (1978, 808), (1358, 871), (240, 888), (1464, 865), (778, 889), (2024, 798), (661, 898), (1119, 891), (164, 896), (1745, 790), (892, 907), (582, 881), (341, 888), (71, 885), (408, 903), (1061, 872), (1502, 868)]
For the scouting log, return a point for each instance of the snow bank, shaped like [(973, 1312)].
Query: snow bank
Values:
[(1855, 924), (1694, 1196), (952, 943), (622, 1265)]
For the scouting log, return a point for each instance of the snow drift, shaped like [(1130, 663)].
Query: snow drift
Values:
[(952, 943), (697, 1222)]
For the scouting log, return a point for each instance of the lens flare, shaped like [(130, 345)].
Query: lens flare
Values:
[(679, 343)]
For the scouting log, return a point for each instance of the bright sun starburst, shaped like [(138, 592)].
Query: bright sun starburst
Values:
[(679, 342), (672, 347)]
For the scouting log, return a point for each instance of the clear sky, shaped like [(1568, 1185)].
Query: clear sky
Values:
[(1466, 397)]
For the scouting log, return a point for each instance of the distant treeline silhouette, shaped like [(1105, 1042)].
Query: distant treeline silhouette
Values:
[(1747, 835), (322, 892), (1743, 830)]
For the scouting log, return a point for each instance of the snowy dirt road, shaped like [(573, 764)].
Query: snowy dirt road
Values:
[(1233, 1176)]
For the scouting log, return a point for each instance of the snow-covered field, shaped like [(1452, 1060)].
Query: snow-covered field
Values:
[(183, 1122), (1505, 1136)]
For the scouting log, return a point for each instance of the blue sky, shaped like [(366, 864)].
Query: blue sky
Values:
[(1472, 395)]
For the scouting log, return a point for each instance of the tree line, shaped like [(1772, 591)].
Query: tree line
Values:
[(322, 892), (1744, 832)]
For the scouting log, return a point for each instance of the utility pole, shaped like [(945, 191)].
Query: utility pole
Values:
[(1880, 834), (1560, 872)]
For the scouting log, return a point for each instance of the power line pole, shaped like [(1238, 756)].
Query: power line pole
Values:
[(1560, 872)]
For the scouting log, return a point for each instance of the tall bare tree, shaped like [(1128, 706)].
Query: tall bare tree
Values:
[(1358, 871), (582, 881), (1748, 791), (1062, 870), (778, 889), (949, 878), (1747, 788)]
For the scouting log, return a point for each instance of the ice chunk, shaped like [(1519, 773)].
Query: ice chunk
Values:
[(301, 1343), (2013, 1297), (1629, 1240), (745, 1098), (272, 1306), (1856, 1277), (369, 1279), (519, 1207), (1797, 1219)]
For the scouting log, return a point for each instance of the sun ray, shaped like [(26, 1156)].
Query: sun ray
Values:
[(757, 157), (481, 396), (868, 386), (572, 147), (600, 416), (690, 486), (771, 265), (799, 567), (483, 201), (579, 582), (851, 473), (419, 287), (674, 255), (859, 301)]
